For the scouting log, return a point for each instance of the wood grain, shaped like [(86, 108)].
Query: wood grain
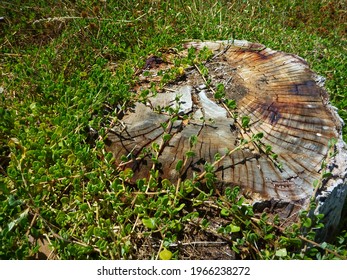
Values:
[(276, 90)]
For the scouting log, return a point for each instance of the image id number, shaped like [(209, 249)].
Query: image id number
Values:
[(241, 270)]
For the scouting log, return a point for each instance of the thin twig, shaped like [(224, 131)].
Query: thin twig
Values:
[(160, 247), (199, 243), (49, 19)]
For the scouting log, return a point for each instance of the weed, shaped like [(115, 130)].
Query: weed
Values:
[(65, 66)]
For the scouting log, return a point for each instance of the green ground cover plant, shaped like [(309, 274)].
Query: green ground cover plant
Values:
[(65, 68)]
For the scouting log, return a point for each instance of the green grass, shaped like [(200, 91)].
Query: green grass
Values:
[(64, 65)]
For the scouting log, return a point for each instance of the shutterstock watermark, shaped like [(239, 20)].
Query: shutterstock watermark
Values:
[(138, 271)]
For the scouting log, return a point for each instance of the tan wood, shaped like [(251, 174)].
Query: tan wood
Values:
[(284, 100)]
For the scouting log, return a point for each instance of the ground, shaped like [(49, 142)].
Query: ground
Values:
[(66, 66)]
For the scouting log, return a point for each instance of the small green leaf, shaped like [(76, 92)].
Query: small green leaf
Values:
[(258, 136), (166, 137), (64, 200), (166, 183), (188, 186), (332, 142), (149, 223), (163, 125), (217, 157), (13, 202), (220, 91), (179, 208), (268, 149), (231, 104), (179, 165), (319, 216), (84, 207), (155, 146), (234, 228), (327, 174), (274, 156), (165, 254), (141, 184), (209, 176), (236, 250), (225, 212), (245, 121), (193, 140), (190, 154), (316, 183), (281, 252), (124, 158), (101, 244), (23, 215), (307, 222), (324, 245), (4, 189), (203, 70), (269, 236), (128, 173), (174, 119)]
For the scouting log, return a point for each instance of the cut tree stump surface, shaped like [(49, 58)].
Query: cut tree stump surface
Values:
[(283, 99)]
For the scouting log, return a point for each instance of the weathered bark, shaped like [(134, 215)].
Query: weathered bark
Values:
[(284, 100)]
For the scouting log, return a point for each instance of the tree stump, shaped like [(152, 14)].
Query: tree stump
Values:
[(281, 142)]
